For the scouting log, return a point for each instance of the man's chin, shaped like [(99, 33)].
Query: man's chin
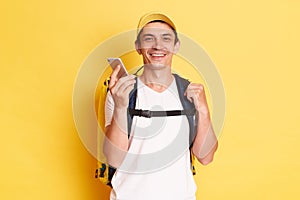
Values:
[(155, 65)]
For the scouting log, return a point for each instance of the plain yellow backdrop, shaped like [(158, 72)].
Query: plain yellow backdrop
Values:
[(254, 44)]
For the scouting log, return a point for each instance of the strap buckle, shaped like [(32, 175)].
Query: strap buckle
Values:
[(144, 113), (140, 113)]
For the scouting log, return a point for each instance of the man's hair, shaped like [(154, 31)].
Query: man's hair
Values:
[(161, 21)]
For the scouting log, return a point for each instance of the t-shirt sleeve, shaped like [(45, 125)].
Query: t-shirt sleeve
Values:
[(109, 108)]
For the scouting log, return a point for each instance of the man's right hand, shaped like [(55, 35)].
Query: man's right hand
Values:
[(120, 88), (116, 142)]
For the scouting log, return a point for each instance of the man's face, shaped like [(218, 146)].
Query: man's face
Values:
[(157, 44)]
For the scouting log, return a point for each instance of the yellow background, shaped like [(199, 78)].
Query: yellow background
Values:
[(255, 45)]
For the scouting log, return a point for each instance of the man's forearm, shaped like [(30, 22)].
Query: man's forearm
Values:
[(116, 141), (205, 143)]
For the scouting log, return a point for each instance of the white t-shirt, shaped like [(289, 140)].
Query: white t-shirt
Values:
[(157, 165)]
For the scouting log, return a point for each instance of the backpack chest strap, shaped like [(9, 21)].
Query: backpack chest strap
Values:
[(149, 113)]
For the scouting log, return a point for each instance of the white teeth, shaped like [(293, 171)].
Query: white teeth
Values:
[(157, 54)]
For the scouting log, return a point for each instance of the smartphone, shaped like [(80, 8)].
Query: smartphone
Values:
[(114, 62)]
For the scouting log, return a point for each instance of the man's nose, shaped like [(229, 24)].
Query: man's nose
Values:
[(158, 44)]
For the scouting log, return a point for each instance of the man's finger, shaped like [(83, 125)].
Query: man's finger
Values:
[(114, 76), (189, 96), (194, 99), (196, 87), (123, 80), (128, 89), (125, 84)]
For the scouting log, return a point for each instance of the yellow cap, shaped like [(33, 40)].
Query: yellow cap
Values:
[(152, 16)]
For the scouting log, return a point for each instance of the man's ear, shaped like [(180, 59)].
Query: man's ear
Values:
[(138, 47), (176, 47)]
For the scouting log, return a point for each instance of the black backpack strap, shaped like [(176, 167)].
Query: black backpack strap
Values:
[(188, 107), (182, 85), (131, 106), (167, 113)]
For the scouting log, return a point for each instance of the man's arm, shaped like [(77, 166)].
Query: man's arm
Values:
[(205, 143), (116, 140)]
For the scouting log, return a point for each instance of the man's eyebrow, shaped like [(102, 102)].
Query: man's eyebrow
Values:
[(167, 34), (148, 34), (151, 35)]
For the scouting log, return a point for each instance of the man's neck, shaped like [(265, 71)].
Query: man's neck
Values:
[(158, 79)]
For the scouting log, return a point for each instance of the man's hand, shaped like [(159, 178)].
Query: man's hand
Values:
[(205, 143), (120, 88), (116, 141), (195, 93)]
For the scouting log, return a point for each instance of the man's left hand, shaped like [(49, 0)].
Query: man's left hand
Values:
[(195, 93)]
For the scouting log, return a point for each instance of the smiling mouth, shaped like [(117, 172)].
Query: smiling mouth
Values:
[(158, 55)]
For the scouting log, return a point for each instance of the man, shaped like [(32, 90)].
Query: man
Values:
[(166, 178)]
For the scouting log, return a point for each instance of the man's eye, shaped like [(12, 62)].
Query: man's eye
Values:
[(148, 39), (167, 39)]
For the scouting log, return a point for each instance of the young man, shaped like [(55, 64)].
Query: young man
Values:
[(150, 164)]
